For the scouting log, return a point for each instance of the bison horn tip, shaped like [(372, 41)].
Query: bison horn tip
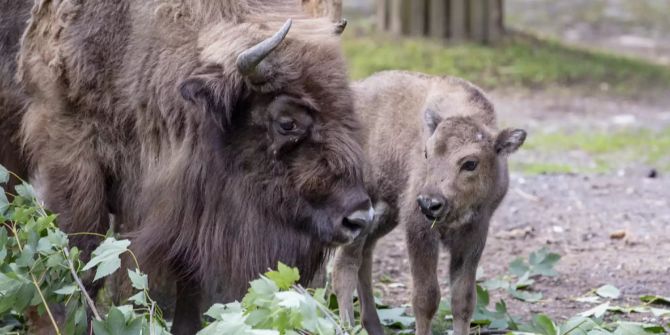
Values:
[(248, 60)]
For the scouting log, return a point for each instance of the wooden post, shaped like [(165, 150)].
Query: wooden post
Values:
[(417, 22), (495, 20), (457, 19), (438, 18), (382, 15), (396, 17), (478, 20)]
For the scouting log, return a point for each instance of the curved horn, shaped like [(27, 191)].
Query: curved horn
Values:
[(249, 59)]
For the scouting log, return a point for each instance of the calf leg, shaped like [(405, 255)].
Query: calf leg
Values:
[(424, 248), (369, 316), (187, 310), (465, 257), (345, 269)]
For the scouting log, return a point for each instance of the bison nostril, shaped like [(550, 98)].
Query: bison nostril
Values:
[(354, 224)]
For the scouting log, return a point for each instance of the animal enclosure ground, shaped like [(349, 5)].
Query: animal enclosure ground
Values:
[(573, 214)]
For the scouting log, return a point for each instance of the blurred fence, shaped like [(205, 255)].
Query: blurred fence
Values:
[(474, 20)]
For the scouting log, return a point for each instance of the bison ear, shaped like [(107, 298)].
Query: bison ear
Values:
[(509, 140), (194, 90), (209, 94), (431, 120)]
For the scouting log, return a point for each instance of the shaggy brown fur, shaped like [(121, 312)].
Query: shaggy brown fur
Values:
[(427, 138), (12, 99), (137, 109)]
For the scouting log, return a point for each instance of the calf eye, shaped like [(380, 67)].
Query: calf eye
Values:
[(469, 166)]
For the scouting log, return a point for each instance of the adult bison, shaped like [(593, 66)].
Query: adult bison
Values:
[(12, 99), (221, 142)]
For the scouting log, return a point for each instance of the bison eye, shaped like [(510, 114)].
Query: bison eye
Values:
[(469, 166), (287, 125)]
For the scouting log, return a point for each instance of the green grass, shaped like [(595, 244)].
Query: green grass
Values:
[(609, 150), (542, 168), (647, 145), (521, 61)]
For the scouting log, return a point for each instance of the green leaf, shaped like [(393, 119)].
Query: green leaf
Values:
[(27, 258), (659, 312), (106, 257), (577, 326), (138, 279), (116, 321), (597, 311), (608, 291), (518, 267), (261, 293), (284, 277), (542, 262), (100, 328), (67, 290), (4, 175), (636, 328), (545, 325), (57, 238), (524, 281), (655, 299), (395, 317), (44, 246), (482, 296), (4, 203), (25, 190), (290, 299), (139, 299), (495, 284), (23, 296), (215, 311), (525, 295)]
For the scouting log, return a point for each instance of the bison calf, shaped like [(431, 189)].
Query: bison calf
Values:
[(438, 164)]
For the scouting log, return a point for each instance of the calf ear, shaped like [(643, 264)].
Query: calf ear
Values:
[(431, 120), (509, 140)]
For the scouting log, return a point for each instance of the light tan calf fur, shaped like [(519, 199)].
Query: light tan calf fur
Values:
[(437, 164)]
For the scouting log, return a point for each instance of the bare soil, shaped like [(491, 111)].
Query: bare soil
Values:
[(574, 215)]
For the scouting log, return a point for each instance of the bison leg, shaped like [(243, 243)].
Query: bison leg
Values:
[(369, 316), (346, 264), (187, 310), (423, 245), (465, 255)]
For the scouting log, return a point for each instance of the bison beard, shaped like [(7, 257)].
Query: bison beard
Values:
[(215, 166)]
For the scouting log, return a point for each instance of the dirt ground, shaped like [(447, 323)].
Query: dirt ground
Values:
[(570, 214)]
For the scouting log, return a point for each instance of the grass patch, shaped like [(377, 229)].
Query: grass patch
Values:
[(647, 145), (542, 168), (520, 60), (607, 150)]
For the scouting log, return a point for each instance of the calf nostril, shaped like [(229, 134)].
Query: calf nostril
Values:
[(433, 206)]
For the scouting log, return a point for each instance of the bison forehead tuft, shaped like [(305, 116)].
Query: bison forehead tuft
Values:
[(305, 62)]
